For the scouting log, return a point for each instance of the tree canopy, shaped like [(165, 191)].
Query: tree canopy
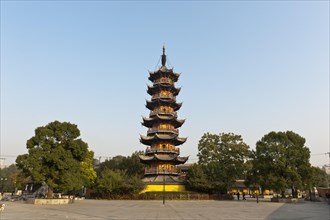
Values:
[(281, 161), (131, 165), (57, 156), (120, 175), (9, 177), (222, 160)]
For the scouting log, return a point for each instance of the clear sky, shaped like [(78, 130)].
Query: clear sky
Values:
[(248, 67)]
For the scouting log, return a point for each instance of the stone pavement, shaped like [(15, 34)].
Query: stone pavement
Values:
[(132, 209)]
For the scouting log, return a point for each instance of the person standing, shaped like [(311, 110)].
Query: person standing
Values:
[(237, 195), (244, 196)]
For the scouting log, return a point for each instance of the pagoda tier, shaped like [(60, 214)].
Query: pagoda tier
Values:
[(162, 148), (163, 75), (163, 157), (151, 105), (171, 138), (163, 87), (159, 179), (162, 164), (158, 119)]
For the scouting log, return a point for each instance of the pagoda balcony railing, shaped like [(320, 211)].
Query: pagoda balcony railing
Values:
[(163, 81), (166, 171), (154, 112), (162, 150), (165, 130), (163, 96)]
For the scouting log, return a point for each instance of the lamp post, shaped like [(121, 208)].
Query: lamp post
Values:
[(258, 195), (258, 186), (163, 185)]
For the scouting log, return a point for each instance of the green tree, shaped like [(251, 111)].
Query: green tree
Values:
[(223, 158), (117, 182), (87, 169), (121, 175), (198, 180), (131, 165), (324, 178), (281, 161), (9, 178), (317, 178), (109, 181), (57, 156)]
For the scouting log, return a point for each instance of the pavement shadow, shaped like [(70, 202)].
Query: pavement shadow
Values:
[(305, 210)]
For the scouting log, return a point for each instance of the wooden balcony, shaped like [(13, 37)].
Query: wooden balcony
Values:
[(163, 130), (163, 81), (165, 171), (162, 150), (163, 97), (163, 112)]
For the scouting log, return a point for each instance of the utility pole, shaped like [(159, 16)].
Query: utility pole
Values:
[(163, 185), (329, 168)]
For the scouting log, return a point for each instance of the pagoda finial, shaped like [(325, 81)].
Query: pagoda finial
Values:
[(163, 56)]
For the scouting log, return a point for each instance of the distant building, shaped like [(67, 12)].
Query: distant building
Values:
[(326, 168), (184, 168), (254, 189), (162, 153), (2, 163)]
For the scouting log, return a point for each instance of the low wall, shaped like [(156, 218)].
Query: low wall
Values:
[(267, 196), (49, 201), (286, 200), (168, 188)]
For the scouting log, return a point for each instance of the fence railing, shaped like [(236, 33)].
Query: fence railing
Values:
[(156, 170), (160, 196), (163, 81), (162, 150), (153, 130), (163, 112), (164, 96)]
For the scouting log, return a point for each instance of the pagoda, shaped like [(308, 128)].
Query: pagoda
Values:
[(162, 153)]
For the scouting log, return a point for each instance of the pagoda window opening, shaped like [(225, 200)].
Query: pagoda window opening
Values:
[(164, 126), (164, 166), (164, 80), (165, 93), (165, 109), (169, 147)]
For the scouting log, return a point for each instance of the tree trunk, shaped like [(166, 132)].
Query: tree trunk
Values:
[(293, 192), (50, 193)]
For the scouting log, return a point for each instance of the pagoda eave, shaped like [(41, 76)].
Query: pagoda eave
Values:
[(163, 72), (163, 157), (157, 102), (168, 87), (149, 122), (159, 179), (148, 140)]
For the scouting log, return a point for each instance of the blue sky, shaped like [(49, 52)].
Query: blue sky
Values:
[(248, 67)]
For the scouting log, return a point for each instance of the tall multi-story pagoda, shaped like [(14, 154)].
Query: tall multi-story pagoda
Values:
[(162, 153)]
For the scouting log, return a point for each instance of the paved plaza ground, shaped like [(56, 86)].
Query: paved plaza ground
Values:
[(132, 209)]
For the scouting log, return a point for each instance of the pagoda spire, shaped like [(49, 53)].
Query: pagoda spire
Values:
[(163, 57)]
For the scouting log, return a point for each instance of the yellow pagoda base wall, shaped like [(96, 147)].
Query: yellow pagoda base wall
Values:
[(168, 188)]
